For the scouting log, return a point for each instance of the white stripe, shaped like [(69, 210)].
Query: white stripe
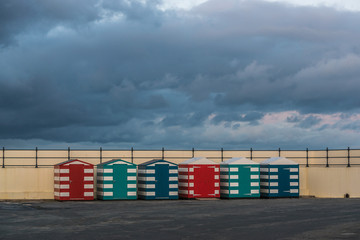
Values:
[(64, 178), (108, 170), (254, 176), (61, 170), (224, 191), (146, 193), (294, 184), (191, 184), (216, 177), (222, 176), (274, 184), (119, 163), (173, 185), (88, 186), (131, 185), (254, 169), (274, 170), (173, 171), (131, 193), (264, 184), (64, 194), (146, 185), (234, 191), (264, 169), (294, 190), (216, 169), (224, 184), (108, 186), (183, 191), (146, 178), (191, 192), (191, 169), (108, 194), (129, 178), (88, 170), (62, 186), (88, 194), (99, 170), (182, 169), (216, 184), (173, 193), (274, 177), (183, 184), (174, 178), (234, 184), (217, 192), (234, 177), (183, 176), (131, 170), (254, 184), (224, 169), (274, 191), (254, 191), (264, 176), (264, 190), (294, 176), (105, 178), (234, 169), (56, 194), (76, 163), (88, 178), (146, 171), (294, 170)]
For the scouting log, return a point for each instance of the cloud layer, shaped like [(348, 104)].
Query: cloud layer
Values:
[(233, 74)]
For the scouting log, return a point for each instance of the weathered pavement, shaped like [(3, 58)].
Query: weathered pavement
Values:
[(182, 219)]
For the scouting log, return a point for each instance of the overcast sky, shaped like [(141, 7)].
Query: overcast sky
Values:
[(180, 74)]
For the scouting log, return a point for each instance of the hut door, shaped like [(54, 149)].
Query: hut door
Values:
[(283, 180), (76, 181), (244, 176), (161, 180), (204, 183), (120, 181)]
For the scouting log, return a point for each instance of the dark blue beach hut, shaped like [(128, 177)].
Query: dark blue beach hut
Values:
[(158, 179), (279, 177)]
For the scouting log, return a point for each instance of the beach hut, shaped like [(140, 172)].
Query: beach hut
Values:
[(239, 178), (279, 177), (199, 178), (158, 179), (74, 180), (116, 179)]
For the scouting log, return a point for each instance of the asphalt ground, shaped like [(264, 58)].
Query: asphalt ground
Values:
[(304, 218)]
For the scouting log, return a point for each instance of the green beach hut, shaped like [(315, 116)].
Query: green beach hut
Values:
[(239, 178), (116, 180)]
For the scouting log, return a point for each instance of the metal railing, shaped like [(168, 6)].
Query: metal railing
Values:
[(38, 158)]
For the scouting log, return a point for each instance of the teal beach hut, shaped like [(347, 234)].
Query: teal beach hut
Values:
[(279, 177), (116, 180), (239, 178)]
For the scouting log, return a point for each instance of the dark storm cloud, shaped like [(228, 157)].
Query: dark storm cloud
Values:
[(127, 72)]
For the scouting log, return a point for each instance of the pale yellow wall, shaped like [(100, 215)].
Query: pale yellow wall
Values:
[(26, 183), (37, 183)]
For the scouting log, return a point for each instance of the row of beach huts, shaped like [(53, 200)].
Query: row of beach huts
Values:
[(160, 179)]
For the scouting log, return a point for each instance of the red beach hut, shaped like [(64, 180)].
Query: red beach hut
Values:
[(74, 180), (199, 178)]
